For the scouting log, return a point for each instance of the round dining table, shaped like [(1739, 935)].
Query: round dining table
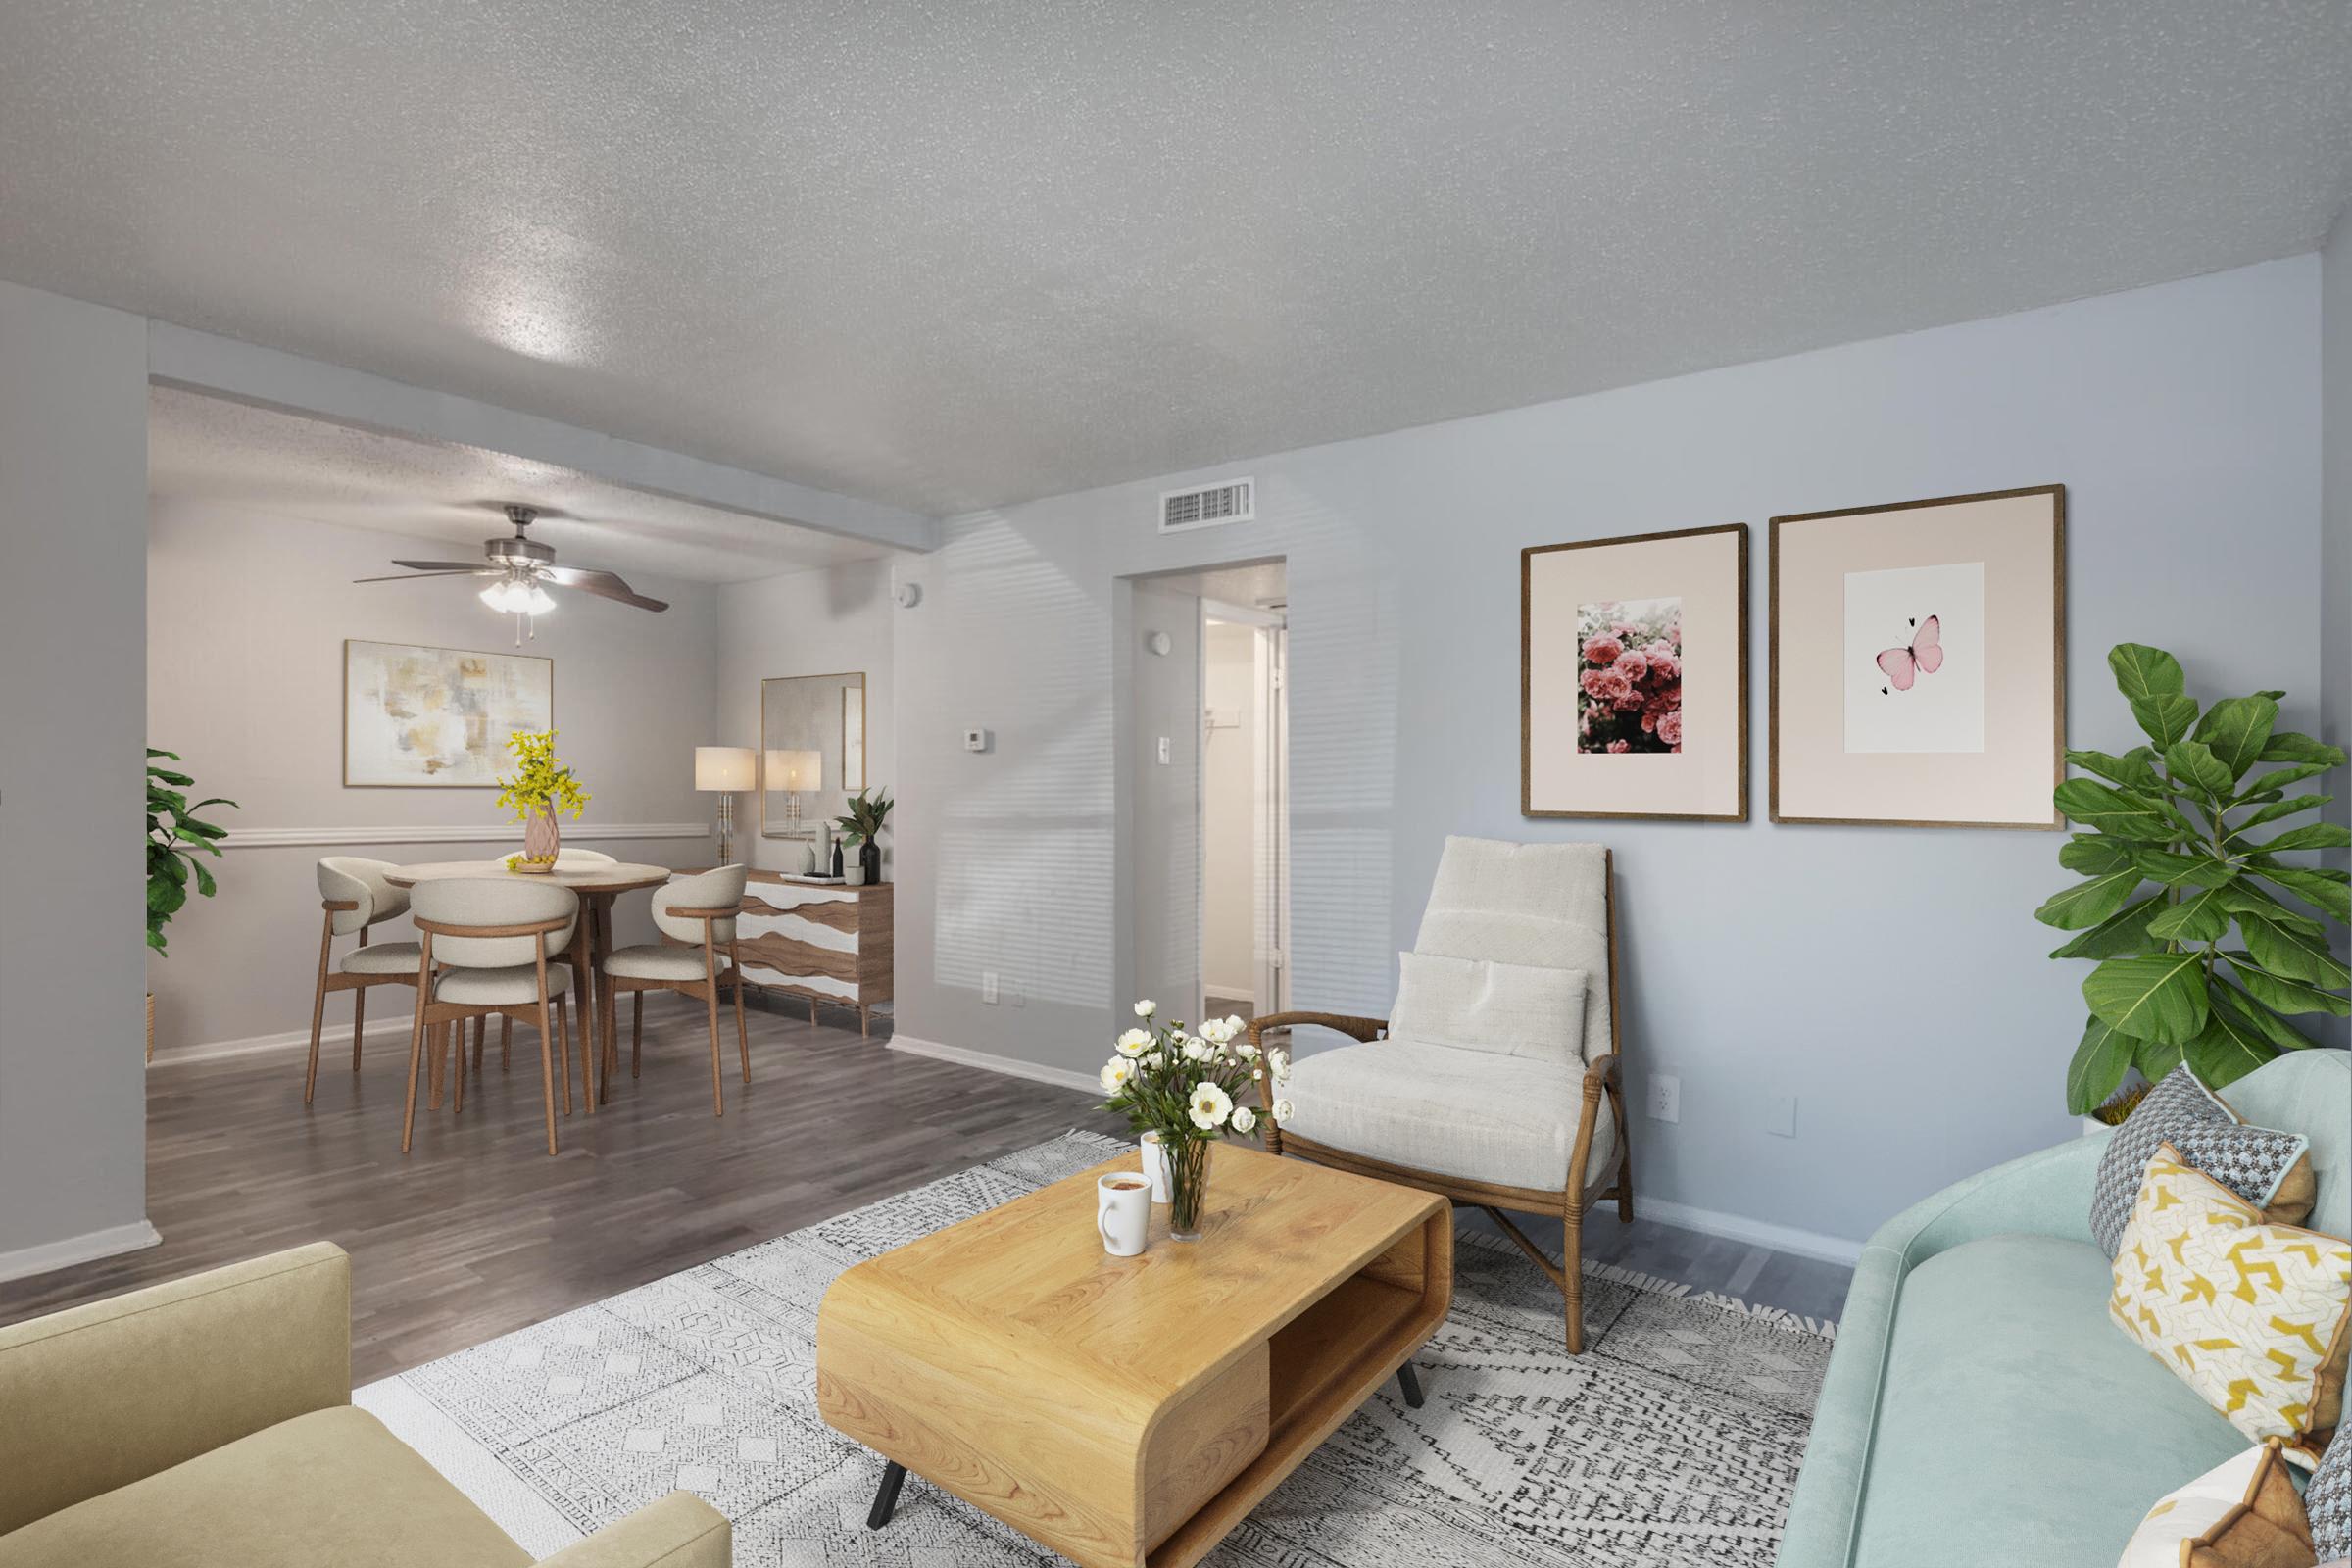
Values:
[(598, 884)]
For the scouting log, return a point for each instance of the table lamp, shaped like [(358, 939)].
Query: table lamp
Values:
[(725, 770), (792, 772)]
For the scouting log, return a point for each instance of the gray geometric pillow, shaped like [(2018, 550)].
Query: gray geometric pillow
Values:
[(2329, 1502), (2182, 1112)]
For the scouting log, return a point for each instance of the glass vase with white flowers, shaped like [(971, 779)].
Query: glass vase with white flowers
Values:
[(1187, 1086)]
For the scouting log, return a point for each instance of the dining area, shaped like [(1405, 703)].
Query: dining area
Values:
[(535, 946)]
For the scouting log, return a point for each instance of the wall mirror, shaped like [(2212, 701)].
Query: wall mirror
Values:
[(812, 751)]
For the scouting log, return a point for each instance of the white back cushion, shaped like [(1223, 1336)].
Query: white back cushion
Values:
[(1510, 1009), (721, 889), (1541, 905), (494, 901), (354, 879)]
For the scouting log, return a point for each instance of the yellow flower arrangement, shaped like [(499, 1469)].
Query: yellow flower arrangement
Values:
[(542, 781)]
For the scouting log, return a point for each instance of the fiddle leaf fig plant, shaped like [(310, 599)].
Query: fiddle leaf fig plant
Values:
[(2207, 941), (175, 838)]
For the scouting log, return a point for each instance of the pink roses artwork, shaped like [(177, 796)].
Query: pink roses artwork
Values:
[(1630, 676)]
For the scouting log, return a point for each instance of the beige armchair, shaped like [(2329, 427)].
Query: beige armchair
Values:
[(209, 1422), (1499, 1083)]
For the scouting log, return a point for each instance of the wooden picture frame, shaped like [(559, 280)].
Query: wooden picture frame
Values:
[(1971, 757), (1599, 753), (479, 699)]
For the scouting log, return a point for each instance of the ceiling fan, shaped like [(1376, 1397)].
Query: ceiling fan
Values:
[(525, 569)]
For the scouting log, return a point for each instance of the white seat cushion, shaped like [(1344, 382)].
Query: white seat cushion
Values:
[(1473, 1114), (502, 988), (659, 962), (385, 957)]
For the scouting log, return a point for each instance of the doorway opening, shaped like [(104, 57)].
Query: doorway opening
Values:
[(1245, 809)]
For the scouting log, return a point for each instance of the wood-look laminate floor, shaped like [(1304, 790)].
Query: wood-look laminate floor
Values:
[(478, 1232)]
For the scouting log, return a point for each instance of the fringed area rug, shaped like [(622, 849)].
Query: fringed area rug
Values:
[(1674, 1439)]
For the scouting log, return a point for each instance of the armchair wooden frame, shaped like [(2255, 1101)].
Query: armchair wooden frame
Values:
[(705, 990), (330, 979), (441, 1018), (1604, 1077)]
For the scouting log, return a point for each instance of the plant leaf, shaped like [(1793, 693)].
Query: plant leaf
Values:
[(2273, 783), (204, 879), (2097, 1068), (2154, 1058), (2111, 810), (2225, 1050), (2126, 931), (2199, 918), (2086, 903), (2261, 1020), (2166, 717), (2279, 809), (2194, 763), (2144, 671), (2310, 836), (2183, 870), (2279, 994), (2247, 901), (2289, 745), (165, 775), (2153, 997), (2236, 729), (2136, 768), (2093, 856), (2293, 954), (2311, 884)]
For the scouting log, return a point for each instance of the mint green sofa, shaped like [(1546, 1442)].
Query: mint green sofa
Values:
[(1980, 1407)]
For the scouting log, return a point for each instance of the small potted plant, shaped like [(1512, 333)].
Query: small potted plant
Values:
[(861, 833), (175, 838), (543, 785), (1185, 1088)]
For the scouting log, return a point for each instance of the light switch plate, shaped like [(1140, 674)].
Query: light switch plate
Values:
[(1163, 750), (988, 987)]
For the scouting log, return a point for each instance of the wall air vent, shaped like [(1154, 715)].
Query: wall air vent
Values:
[(1234, 501)]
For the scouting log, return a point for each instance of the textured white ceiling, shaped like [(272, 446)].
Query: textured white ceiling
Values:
[(946, 252), (211, 450)]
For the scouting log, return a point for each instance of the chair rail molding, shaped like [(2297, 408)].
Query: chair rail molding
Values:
[(272, 838)]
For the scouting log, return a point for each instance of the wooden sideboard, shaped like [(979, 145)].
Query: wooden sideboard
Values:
[(819, 940)]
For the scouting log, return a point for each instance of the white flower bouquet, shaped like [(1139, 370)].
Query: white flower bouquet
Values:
[(1188, 1086)]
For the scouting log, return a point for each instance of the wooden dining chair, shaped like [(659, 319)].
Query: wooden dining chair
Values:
[(356, 896), (486, 949), (698, 912)]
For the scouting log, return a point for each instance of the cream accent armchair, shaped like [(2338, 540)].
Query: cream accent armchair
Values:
[(1537, 1126), (207, 1423)]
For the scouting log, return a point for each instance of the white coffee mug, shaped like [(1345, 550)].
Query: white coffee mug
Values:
[(1156, 1165), (1123, 1213)]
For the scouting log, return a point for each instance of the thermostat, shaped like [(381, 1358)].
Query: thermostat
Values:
[(975, 740)]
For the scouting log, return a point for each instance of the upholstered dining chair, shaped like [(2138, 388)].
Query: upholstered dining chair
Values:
[(697, 913), (487, 947), (356, 896), (571, 857), (1487, 1083)]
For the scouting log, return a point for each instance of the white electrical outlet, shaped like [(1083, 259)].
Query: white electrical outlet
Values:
[(1666, 1098), (1163, 750), (1780, 1115), (988, 987)]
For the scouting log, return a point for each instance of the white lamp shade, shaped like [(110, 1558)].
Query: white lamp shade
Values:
[(796, 770), (724, 768)]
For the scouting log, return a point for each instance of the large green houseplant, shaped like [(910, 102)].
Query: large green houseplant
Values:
[(175, 838), (2208, 940)]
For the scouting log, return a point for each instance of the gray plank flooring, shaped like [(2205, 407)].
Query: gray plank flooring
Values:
[(479, 1232)]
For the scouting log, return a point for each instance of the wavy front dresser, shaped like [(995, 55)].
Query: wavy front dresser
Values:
[(819, 940)]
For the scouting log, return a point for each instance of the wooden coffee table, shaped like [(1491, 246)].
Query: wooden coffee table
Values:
[(1130, 1411)]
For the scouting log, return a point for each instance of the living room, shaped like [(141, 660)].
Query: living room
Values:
[(1916, 410)]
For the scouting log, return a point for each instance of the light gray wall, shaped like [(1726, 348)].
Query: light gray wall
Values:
[(2336, 446), (1229, 810), (806, 623), (246, 619), (1165, 701), (73, 521), (1892, 980)]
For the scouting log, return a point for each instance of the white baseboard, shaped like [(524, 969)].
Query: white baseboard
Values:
[(1739, 1228), (87, 1247), (1010, 1066), (336, 1036)]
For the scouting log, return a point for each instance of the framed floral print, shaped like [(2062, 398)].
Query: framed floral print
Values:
[(1919, 661), (1633, 676)]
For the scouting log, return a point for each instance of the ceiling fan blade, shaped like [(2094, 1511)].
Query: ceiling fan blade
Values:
[(420, 576), (442, 565), (603, 584)]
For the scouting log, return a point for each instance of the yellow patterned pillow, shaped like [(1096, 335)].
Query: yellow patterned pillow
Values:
[(2251, 1315)]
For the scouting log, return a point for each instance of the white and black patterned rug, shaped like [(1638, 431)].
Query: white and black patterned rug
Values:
[(1674, 1439)]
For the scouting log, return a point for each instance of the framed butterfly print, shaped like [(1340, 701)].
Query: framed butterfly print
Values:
[(1919, 661), (1633, 676)]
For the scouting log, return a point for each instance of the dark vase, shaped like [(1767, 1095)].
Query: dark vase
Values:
[(869, 856), (837, 857)]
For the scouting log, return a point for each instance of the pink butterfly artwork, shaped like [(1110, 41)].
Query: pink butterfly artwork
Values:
[(1925, 656)]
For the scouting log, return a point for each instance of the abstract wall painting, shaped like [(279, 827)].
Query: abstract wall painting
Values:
[(1633, 676), (437, 718), (1919, 661)]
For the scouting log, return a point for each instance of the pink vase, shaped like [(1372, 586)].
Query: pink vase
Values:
[(541, 838)]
